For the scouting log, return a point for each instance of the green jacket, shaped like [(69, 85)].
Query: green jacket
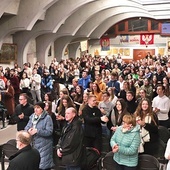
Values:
[(128, 143)]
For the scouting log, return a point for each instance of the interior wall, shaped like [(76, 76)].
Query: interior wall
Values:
[(126, 49)]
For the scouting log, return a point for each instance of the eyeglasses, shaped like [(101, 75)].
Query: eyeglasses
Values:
[(21, 99)]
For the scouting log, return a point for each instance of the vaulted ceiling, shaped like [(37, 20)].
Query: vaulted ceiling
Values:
[(76, 19)]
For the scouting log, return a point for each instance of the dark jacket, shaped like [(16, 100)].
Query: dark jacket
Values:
[(131, 106), (26, 158), (92, 121), (28, 110), (71, 143)]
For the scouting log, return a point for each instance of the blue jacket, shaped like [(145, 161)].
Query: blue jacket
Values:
[(114, 83), (48, 82), (84, 82), (128, 143), (42, 140)]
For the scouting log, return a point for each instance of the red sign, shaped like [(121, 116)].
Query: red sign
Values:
[(105, 44), (146, 39)]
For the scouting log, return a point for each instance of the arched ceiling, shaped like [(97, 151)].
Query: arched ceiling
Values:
[(70, 17), (76, 18)]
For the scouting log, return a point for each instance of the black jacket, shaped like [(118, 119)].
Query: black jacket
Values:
[(26, 158), (28, 110), (92, 121), (71, 143)]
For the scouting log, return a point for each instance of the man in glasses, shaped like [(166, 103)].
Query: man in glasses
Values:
[(23, 111), (26, 158)]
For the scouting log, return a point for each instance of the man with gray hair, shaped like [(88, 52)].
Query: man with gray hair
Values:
[(26, 158)]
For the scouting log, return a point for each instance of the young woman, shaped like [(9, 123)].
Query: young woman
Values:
[(116, 116), (97, 92), (65, 103), (78, 98), (154, 85), (24, 84), (7, 98), (47, 97), (166, 85), (125, 143), (148, 122), (85, 101), (113, 98)]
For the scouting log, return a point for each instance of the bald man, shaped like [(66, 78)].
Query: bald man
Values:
[(26, 158), (70, 145)]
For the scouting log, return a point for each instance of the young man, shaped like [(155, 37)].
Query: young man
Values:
[(70, 145), (92, 124), (22, 112), (161, 106), (131, 102), (26, 158)]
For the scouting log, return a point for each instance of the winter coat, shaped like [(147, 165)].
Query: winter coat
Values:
[(42, 140), (8, 100), (71, 143), (47, 83), (128, 143), (26, 158)]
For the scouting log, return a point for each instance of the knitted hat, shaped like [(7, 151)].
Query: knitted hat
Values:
[(40, 104)]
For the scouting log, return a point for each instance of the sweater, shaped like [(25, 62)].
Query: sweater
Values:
[(161, 103)]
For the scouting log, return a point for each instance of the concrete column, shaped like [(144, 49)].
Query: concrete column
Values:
[(73, 49)]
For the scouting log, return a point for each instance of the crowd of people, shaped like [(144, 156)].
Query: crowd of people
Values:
[(100, 95)]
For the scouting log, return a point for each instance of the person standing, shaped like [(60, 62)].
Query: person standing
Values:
[(15, 83), (40, 127), (70, 145), (22, 112), (114, 83), (148, 122), (84, 81), (92, 123), (35, 81), (125, 143), (161, 106), (26, 158)]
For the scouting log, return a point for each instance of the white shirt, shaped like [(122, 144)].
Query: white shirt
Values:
[(162, 103)]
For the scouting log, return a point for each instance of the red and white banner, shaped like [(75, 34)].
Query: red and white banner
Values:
[(105, 44), (146, 39)]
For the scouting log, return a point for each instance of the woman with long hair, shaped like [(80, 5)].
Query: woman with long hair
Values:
[(115, 117), (166, 85), (65, 103), (148, 122), (48, 108), (7, 97), (113, 98), (154, 85), (25, 84), (78, 97), (85, 101), (97, 92)]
